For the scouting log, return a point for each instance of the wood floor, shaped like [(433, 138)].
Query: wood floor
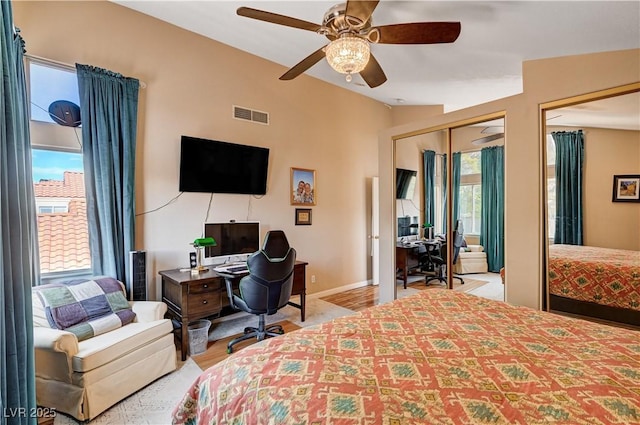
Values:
[(367, 296), (361, 298)]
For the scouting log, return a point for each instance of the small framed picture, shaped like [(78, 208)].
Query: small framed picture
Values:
[(303, 187), (303, 216), (626, 188)]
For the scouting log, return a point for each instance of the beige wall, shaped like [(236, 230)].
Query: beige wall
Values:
[(403, 114), (607, 153), (544, 81), (606, 223), (191, 84)]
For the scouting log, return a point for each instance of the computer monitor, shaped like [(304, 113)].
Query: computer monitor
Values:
[(235, 241), (408, 226)]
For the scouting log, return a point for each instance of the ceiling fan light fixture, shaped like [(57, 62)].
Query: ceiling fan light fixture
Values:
[(348, 54)]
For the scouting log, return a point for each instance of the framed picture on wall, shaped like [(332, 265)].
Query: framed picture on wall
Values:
[(303, 216), (626, 188), (303, 187)]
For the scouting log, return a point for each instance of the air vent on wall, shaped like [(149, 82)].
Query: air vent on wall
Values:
[(247, 114)]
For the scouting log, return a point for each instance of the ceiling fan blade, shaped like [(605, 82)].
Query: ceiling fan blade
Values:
[(360, 9), (304, 64), (277, 19), (487, 139), (419, 33), (373, 74)]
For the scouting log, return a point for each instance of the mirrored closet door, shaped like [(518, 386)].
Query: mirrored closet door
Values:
[(592, 176), (477, 177), (447, 204)]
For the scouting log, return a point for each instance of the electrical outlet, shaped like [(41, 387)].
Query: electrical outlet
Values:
[(313, 278)]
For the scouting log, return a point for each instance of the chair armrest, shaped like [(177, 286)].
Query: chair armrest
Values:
[(55, 340), (148, 311), (54, 351)]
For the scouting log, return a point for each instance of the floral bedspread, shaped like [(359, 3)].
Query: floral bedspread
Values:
[(600, 275), (437, 357)]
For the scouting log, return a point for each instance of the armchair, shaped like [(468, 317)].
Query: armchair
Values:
[(84, 377), (267, 288)]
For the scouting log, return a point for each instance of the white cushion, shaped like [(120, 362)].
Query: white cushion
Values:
[(469, 255), (473, 248), (101, 349)]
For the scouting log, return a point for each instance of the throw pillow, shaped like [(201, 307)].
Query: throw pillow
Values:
[(85, 307)]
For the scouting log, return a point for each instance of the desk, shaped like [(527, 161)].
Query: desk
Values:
[(408, 256), (192, 297)]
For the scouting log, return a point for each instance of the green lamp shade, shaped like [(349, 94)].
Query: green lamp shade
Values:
[(205, 242)]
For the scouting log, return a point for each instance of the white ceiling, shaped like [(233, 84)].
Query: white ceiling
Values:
[(483, 64)]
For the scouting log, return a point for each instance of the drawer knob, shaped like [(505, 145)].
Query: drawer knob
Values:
[(204, 301), (205, 285)]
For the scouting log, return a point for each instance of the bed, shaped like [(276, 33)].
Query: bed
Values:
[(436, 357), (597, 282)]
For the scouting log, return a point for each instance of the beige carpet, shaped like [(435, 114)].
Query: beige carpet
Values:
[(469, 284), (152, 405), (317, 311)]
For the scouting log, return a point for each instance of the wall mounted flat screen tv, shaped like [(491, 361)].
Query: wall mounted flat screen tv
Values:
[(405, 183), (232, 239), (212, 166)]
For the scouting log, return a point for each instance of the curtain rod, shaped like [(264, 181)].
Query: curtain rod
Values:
[(467, 151), (65, 65)]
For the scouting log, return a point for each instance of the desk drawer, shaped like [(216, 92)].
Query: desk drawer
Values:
[(204, 287), (204, 303)]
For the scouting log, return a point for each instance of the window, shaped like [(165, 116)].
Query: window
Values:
[(470, 207), (52, 209), (58, 173), (470, 199), (551, 187), (48, 83)]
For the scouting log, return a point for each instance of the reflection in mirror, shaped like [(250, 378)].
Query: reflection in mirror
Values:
[(478, 206), (419, 212), (594, 239), (423, 253)]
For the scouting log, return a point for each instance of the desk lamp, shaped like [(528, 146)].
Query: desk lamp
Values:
[(200, 244)]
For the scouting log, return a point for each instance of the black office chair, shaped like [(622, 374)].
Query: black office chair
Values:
[(440, 260), (267, 288)]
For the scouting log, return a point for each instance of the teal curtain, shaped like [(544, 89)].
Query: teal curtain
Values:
[(455, 185), (109, 109), (18, 232), (444, 194), (569, 163), (429, 168), (492, 218)]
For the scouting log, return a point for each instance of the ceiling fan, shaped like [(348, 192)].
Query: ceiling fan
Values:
[(349, 28)]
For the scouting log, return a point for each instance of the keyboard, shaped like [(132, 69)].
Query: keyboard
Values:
[(232, 268), (238, 269)]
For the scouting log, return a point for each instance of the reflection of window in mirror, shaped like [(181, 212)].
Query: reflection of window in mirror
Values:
[(551, 187), (470, 204)]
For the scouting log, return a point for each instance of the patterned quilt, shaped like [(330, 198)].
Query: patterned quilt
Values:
[(437, 357), (600, 275), (85, 307)]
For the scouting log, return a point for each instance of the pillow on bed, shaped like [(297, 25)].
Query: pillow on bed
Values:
[(85, 307)]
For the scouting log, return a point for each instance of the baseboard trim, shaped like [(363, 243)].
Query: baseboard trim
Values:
[(339, 289)]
